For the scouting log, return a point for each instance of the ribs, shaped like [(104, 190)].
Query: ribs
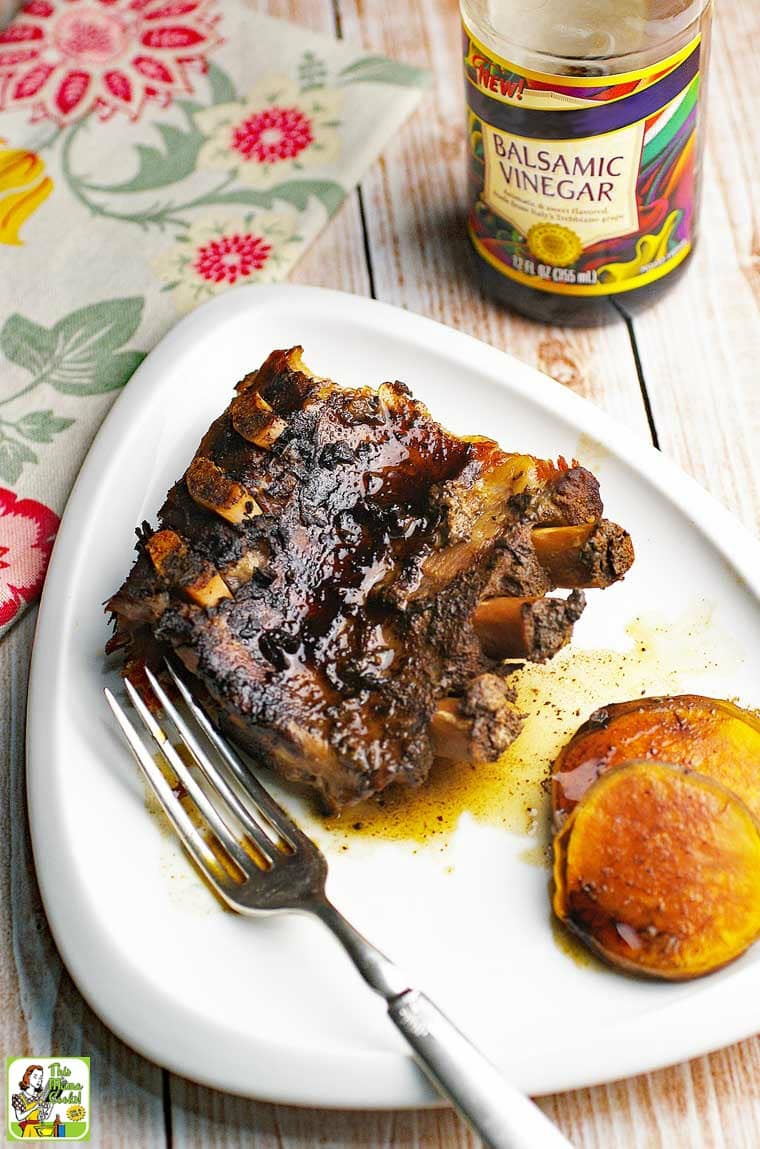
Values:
[(345, 579)]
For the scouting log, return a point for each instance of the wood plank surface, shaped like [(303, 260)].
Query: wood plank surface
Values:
[(7, 11), (698, 355), (42, 1013), (699, 344)]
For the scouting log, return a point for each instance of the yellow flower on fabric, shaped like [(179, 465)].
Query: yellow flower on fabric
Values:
[(18, 168), (273, 135), (22, 190), (218, 252)]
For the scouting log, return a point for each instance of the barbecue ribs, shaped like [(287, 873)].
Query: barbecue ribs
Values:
[(345, 578)]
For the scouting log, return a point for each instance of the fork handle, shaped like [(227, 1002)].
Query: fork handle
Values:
[(502, 1117)]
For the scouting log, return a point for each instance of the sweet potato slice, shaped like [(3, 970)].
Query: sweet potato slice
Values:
[(658, 870), (708, 735)]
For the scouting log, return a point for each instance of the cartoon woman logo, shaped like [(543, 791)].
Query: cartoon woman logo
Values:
[(31, 1105)]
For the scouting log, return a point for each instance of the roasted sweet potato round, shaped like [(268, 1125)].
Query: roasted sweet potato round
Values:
[(708, 735), (658, 870)]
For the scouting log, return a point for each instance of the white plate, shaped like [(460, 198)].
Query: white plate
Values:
[(272, 1008)]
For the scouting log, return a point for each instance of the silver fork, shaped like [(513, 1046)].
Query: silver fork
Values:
[(282, 869)]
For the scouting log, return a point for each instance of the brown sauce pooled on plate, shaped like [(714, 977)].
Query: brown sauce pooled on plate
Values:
[(556, 698)]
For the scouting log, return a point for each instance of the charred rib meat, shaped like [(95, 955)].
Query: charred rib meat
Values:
[(345, 578)]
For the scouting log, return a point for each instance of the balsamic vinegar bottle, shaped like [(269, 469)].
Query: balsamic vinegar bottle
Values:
[(585, 125)]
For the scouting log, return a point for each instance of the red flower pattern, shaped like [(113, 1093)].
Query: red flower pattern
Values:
[(274, 134), (65, 58), (231, 258), (27, 530)]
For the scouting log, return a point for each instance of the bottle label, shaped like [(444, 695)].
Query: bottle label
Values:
[(581, 185)]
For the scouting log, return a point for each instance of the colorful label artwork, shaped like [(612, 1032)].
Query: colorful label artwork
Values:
[(581, 185), (48, 1097)]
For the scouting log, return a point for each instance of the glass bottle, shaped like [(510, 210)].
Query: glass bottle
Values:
[(586, 124)]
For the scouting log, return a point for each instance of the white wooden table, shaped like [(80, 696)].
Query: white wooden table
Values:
[(685, 374)]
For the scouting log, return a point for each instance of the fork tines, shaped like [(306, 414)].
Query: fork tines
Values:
[(231, 826)]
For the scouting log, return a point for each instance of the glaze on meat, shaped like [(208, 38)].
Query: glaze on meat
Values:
[(320, 567)]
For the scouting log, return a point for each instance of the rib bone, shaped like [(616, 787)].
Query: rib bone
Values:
[(239, 573), (354, 592), (211, 488), (254, 419), (531, 628), (479, 726), (593, 554), (451, 731), (199, 581)]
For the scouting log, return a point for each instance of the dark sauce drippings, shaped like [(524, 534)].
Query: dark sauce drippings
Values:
[(363, 515)]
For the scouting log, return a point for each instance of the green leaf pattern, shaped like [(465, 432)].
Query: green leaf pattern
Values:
[(378, 70), (222, 88), (80, 355), (41, 426), (13, 455), (312, 71), (175, 159), (160, 166), (84, 353)]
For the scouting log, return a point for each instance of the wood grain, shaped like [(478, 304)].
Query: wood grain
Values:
[(215, 1121), (42, 1012), (336, 258), (709, 1103), (699, 344), (699, 354), (7, 11)]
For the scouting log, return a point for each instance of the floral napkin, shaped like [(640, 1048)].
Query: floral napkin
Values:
[(152, 154)]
